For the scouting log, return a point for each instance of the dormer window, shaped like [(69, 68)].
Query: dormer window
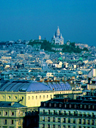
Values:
[(69, 105), (93, 107), (50, 105), (75, 106), (54, 105), (44, 104), (60, 105), (65, 105), (84, 106), (81, 106), (89, 106)]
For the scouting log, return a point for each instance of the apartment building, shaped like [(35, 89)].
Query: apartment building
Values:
[(68, 113), (12, 114)]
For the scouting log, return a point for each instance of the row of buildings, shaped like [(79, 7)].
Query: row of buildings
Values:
[(46, 89)]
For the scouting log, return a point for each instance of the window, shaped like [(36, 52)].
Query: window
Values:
[(50, 96), (58, 126), (75, 113), (74, 121), (36, 97), (68, 120), (84, 106), (53, 111), (88, 122), (93, 115), (79, 121), (47, 96), (65, 113), (49, 104), (43, 96), (43, 125), (75, 106), (3, 97), (5, 113), (93, 106), (80, 114), (92, 122), (53, 125), (89, 106), (81, 106), (64, 120), (48, 111), (60, 105), (43, 118), (43, 111), (9, 97), (69, 113), (65, 105), (12, 113), (88, 115), (54, 105), (12, 121), (84, 114), (44, 104), (19, 121), (59, 112), (15, 97), (0, 113), (48, 125), (40, 97), (58, 119), (69, 105), (32, 97), (53, 119), (84, 121), (5, 122), (22, 97), (48, 119)]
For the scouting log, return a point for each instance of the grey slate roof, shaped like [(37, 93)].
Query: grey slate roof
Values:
[(24, 86), (28, 86)]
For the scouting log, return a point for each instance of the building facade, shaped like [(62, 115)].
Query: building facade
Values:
[(68, 113), (31, 94), (12, 114)]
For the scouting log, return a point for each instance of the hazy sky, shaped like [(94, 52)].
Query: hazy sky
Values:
[(27, 19)]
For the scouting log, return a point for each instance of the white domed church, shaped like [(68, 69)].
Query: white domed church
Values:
[(57, 38)]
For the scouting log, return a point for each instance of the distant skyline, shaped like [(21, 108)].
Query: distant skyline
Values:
[(27, 19)]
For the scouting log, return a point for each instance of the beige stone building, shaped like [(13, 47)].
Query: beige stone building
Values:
[(31, 94), (11, 114)]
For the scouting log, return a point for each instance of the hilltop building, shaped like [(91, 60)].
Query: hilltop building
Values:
[(58, 38)]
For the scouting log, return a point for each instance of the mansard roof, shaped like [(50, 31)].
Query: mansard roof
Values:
[(28, 86)]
